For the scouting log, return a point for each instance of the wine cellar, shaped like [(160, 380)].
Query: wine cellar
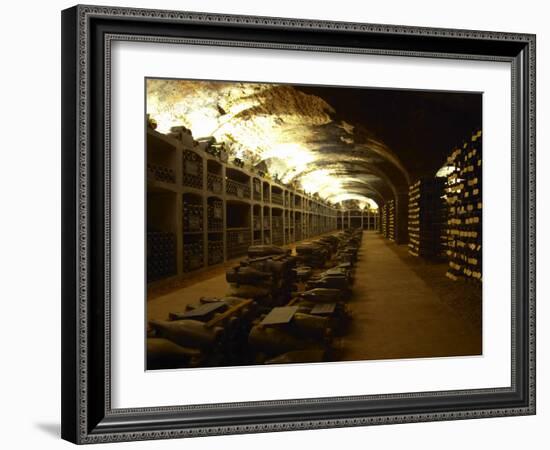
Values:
[(444, 213), (223, 208), (296, 255)]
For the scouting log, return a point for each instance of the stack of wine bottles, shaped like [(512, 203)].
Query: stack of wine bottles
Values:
[(277, 230), (391, 220), (216, 149), (298, 227), (238, 242), (184, 135), (237, 189), (257, 226), (256, 222), (384, 220), (193, 254), (215, 251), (465, 209), (257, 189), (161, 255), (277, 198), (192, 217), (159, 173), (444, 236), (426, 217), (192, 169), (414, 219), (215, 215), (214, 183)]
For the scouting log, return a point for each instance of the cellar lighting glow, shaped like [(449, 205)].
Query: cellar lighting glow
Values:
[(326, 182), (290, 160), (285, 128), (320, 180), (363, 201), (332, 186)]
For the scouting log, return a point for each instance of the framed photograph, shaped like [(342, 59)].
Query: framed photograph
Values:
[(282, 224)]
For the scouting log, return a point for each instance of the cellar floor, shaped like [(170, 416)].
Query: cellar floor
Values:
[(401, 310), (210, 283), (403, 307)]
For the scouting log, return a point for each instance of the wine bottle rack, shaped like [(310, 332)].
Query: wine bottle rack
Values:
[(277, 198), (192, 169), (160, 173), (215, 215), (238, 242), (192, 217), (215, 252), (190, 184), (237, 189), (214, 183), (464, 202), (161, 255), (427, 217), (257, 189), (256, 223), (193, 254), (391, 220), (384, 221)]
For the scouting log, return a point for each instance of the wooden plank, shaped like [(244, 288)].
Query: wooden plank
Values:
[(227, 313), (201, 311), (279, 315)]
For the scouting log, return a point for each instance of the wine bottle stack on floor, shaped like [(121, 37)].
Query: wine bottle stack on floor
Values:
[(463, 191), (279, 308), (391, 220), (427, 216), (444, 237), (384, 221)]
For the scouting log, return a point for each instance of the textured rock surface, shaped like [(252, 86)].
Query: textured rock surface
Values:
[(298, 136)]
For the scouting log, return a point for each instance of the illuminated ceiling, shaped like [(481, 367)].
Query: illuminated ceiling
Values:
[(301, 138)]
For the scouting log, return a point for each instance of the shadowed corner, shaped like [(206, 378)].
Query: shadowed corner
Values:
[(53, 429)]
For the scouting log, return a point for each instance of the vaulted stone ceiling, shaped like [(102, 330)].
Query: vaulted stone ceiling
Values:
[(344, 144)]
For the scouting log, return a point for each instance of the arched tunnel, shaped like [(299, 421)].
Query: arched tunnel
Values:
[(317, 150), (365, 145)]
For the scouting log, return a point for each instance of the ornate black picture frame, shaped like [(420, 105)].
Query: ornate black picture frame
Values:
[(87, 34)]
